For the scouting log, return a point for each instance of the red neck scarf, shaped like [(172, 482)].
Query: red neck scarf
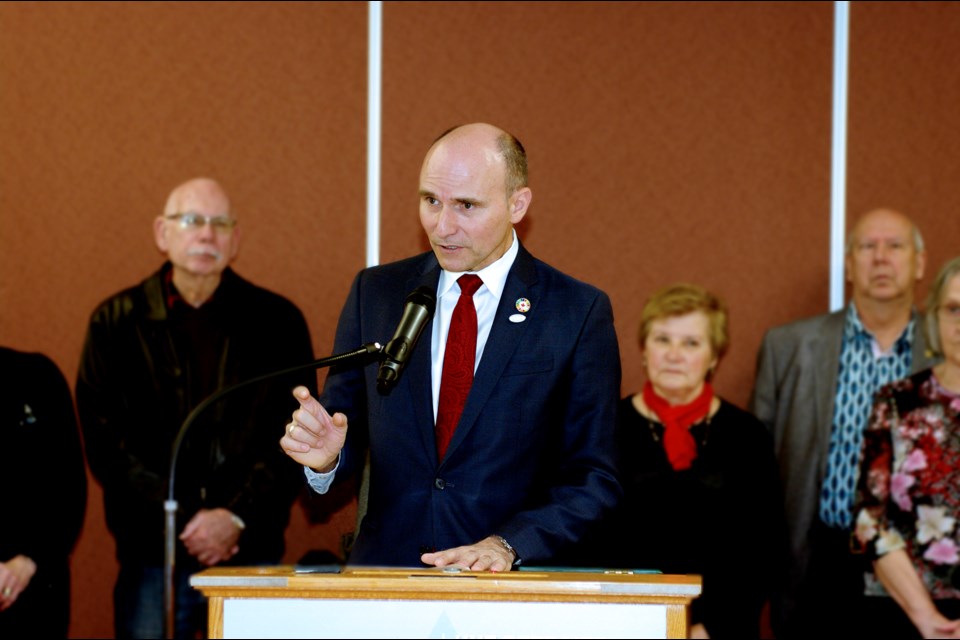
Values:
[(679, 444)]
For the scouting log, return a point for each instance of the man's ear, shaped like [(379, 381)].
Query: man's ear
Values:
[(160, 234), (235, 243), (921, 264), (519, 204)]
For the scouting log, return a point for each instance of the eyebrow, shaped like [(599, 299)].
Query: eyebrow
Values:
[(462, 200), (860, 241)]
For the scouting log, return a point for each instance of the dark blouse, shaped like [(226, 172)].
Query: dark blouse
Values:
[(721, 519), (45, 490)]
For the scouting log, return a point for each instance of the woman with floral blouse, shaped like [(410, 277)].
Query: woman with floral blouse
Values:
[(908, 501)]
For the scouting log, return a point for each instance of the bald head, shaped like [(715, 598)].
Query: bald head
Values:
[(500, 146), (469, 200), (198, 235), (204, 189), (885, 259), (885, 217)]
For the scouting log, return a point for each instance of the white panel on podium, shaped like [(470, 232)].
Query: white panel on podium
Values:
[(304, 618)]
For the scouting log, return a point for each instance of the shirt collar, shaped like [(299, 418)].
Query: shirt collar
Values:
[(172, 296), (494, 275), (854, 329), (170, 293)]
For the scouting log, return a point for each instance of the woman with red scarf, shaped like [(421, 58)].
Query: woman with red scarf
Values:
[(699, 475)]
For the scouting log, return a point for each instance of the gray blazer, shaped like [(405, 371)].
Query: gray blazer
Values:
[(793, 395)]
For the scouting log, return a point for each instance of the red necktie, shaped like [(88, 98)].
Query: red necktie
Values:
[(458, 361)]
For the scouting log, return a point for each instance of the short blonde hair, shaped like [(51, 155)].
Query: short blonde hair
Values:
[(681, 299), (934, 300)]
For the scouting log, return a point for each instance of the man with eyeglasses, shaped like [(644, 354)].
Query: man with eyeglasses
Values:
[(153, 352)]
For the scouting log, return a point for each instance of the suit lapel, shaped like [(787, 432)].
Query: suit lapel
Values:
[(502, 342), (826, 350)]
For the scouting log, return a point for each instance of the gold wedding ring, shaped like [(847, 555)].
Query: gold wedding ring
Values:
[(7, 591), (290, 428)]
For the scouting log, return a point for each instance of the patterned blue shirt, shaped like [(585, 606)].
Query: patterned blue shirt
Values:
[(863, 370)]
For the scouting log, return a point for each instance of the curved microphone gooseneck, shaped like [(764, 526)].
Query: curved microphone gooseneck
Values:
[(369, 352), (418, 311)]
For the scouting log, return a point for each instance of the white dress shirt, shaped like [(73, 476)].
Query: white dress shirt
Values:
[(486, 299)]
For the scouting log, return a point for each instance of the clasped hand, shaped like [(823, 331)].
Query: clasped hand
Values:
[(211, 536), (15, 575)]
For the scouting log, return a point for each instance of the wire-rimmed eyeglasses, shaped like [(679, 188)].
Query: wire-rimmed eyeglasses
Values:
[(190, 220)]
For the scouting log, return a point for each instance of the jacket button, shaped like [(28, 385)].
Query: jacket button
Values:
[(439, 483)]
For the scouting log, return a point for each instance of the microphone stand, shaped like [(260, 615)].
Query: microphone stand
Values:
[(362, 356)]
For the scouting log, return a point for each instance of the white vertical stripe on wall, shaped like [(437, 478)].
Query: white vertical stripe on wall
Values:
[(374, 69), (838, 177)]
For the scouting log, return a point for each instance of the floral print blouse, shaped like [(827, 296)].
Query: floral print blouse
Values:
[(908, 494)]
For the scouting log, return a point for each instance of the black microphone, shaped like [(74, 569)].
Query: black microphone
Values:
[(417, 312)]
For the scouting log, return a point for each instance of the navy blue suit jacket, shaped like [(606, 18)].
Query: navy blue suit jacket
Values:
[(532, 456)]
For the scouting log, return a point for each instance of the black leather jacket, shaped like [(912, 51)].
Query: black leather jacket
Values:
[(133, 394)]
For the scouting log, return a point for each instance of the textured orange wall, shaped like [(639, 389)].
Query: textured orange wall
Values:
[(667, 141), (105, 107), (904, 121)]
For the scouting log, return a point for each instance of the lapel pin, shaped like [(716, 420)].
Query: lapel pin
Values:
[(523, 305), (517, 317)]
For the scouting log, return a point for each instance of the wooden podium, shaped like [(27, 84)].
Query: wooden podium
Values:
[(369, 602)]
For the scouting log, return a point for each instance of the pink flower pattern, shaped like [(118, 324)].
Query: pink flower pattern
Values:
[(942, 551), (899, 485), (911, 459), (916, 461)]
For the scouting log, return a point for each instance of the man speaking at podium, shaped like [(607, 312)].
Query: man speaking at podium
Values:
[(508, 459)]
